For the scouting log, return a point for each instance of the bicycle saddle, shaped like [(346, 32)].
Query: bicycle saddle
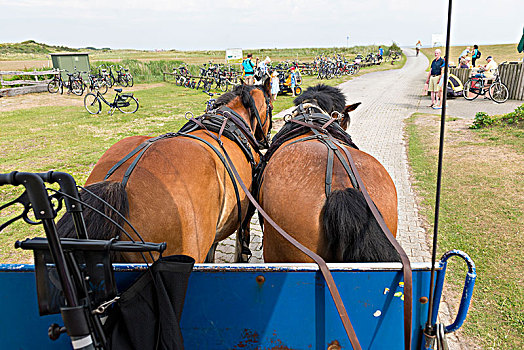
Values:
[(118, 90)]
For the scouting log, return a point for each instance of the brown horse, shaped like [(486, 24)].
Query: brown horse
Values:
[(319, 207), (179, 190)]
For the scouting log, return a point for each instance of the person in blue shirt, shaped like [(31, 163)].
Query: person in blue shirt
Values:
[(380, 52), (434, 75), (249, 69)]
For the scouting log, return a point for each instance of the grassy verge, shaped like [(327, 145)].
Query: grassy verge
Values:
[(481, 214)]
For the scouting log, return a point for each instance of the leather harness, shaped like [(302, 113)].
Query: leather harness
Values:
[(224, 122)]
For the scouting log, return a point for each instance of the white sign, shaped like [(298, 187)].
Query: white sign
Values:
[(438, 40), (234, 55)]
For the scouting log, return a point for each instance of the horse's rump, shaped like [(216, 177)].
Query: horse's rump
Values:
[(293, 193)]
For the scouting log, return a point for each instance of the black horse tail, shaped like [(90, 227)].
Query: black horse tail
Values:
[(352, 233), (99, 227)]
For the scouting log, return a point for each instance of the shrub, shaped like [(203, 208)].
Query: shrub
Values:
[(482, 119)]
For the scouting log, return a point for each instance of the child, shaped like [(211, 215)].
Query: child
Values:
[(275, 85), (293, 78)]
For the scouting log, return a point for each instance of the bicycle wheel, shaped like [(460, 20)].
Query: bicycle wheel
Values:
[(92, 103), (109, 81), (223, 85), (130, 81), (53, 86), (127, 104), (77, 87), (101, 86), (470, 91), (498, 92)]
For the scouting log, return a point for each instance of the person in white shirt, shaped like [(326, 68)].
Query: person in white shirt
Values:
[(491, 68)]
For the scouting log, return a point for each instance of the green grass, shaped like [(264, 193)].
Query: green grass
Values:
[(482, 214)]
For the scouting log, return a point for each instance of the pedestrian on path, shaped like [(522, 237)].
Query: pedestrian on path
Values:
[(434, 76), (275, 85)]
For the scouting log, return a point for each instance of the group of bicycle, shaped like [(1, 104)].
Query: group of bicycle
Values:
[(78, 81), (97, 84), (211, 76)]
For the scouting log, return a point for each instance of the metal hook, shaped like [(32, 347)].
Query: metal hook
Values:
[(190, 113)]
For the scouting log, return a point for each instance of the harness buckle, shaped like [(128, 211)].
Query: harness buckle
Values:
[(190, 113)]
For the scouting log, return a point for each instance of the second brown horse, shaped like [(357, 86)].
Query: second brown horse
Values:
[(324, 211)]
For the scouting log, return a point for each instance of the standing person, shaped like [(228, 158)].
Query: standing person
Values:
[(293, 80), (249, 69), (463, 55), (434, 76), (418, 47), (275, 85), (380, 53), (441, 88), (475, 54), (263, 68)]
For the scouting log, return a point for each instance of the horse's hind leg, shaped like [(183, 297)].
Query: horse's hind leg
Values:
[(210, 258)]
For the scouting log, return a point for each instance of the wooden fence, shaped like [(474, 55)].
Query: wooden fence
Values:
[(29, 85), (511, 74)]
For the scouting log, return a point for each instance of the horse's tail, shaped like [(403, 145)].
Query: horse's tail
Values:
[(351, 231), (98, 227)]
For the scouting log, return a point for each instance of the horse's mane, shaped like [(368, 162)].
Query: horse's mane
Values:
[(328, 98), (242, 91)]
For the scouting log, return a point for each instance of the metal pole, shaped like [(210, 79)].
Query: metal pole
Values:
[(429, 327)]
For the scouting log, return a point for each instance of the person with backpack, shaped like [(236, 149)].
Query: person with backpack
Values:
[(249, 69), (475, 55)]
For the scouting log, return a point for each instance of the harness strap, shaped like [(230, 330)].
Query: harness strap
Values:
[(228, 169), (318, 260), (406, 266), (329, 171), (135, 151), (242, 126)]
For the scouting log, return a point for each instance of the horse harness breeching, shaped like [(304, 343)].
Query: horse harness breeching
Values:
[(224, 122)]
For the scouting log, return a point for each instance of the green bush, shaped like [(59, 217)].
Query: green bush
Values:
[(482, 119)]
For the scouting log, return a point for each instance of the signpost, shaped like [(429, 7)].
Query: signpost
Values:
[(234, 56)]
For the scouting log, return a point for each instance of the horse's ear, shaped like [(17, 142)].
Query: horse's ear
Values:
[(352, 107)]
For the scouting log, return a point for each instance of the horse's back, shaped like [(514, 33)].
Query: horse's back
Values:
[(293, 193)]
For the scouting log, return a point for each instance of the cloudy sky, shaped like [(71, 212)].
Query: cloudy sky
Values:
[(220, 24)]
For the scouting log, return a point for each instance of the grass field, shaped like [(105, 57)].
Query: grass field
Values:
[(42, 132), (30, 55), (481, 213), (500, 53)]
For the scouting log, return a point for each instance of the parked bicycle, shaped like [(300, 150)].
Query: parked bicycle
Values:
[(124, 102), (73, 84), (478, 85)]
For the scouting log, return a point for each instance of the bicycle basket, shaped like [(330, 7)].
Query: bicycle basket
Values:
[(94, 266)]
